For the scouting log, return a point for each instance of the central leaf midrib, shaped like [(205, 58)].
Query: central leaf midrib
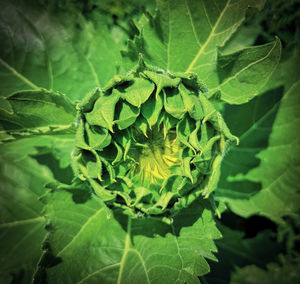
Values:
[(202, 48), (127, 249)]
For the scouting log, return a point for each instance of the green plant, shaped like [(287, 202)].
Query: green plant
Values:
[(116, 160)]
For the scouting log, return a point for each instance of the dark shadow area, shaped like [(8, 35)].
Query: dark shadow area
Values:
[(249, 241), (256, 224), (47, 260), (278, 19), (18, 277), (81, 195), (250, 226), (63, 175), (240, 190), (151, 226), (80, 191)]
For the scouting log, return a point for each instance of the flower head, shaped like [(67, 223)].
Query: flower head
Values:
[(150, 142)]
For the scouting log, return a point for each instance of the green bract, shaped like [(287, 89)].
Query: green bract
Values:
[(150, 142)]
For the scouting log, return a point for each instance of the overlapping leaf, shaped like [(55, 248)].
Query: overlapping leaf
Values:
[(61, 52), (278, 171), (36, 113), (21, 221), (120, 250), (184, 36), (57, 50)]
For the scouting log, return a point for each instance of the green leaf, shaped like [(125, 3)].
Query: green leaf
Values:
[(80, 138), (244, 37), (185, 37), (278, 171), (127, 115), (141, 123), (22, 222), (245, 72), (192, 103), (36, 113), (184, 34), (59, 145), (53, 49), (152, 108), (161, 81), (184, 129), (103, 111), (98, 137), (121, 250), (173, 104), (139, 92)]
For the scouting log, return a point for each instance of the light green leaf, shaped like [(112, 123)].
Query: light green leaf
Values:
[(119, 154), (174, 105), (103, 111), (161, 81), (122, 250), (139, 92), (245, 72), (184, 35)]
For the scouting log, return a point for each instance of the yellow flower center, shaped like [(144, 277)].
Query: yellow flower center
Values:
[(157, 155)]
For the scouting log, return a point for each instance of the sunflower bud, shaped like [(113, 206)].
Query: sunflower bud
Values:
[(150, 142)]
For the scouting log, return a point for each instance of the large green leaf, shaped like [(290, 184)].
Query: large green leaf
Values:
[(278, 171), (252, 123), (96, 247), (60, 146), (245, 72), (35, 113), (184, 36), (21, 221), (53, 49), (190, 28)]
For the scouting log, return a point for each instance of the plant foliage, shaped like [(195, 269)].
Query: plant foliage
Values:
[(126, 130)]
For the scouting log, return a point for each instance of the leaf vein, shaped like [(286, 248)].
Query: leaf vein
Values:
[(17, 74), (192, 23), (82, 229), (202, 49)]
